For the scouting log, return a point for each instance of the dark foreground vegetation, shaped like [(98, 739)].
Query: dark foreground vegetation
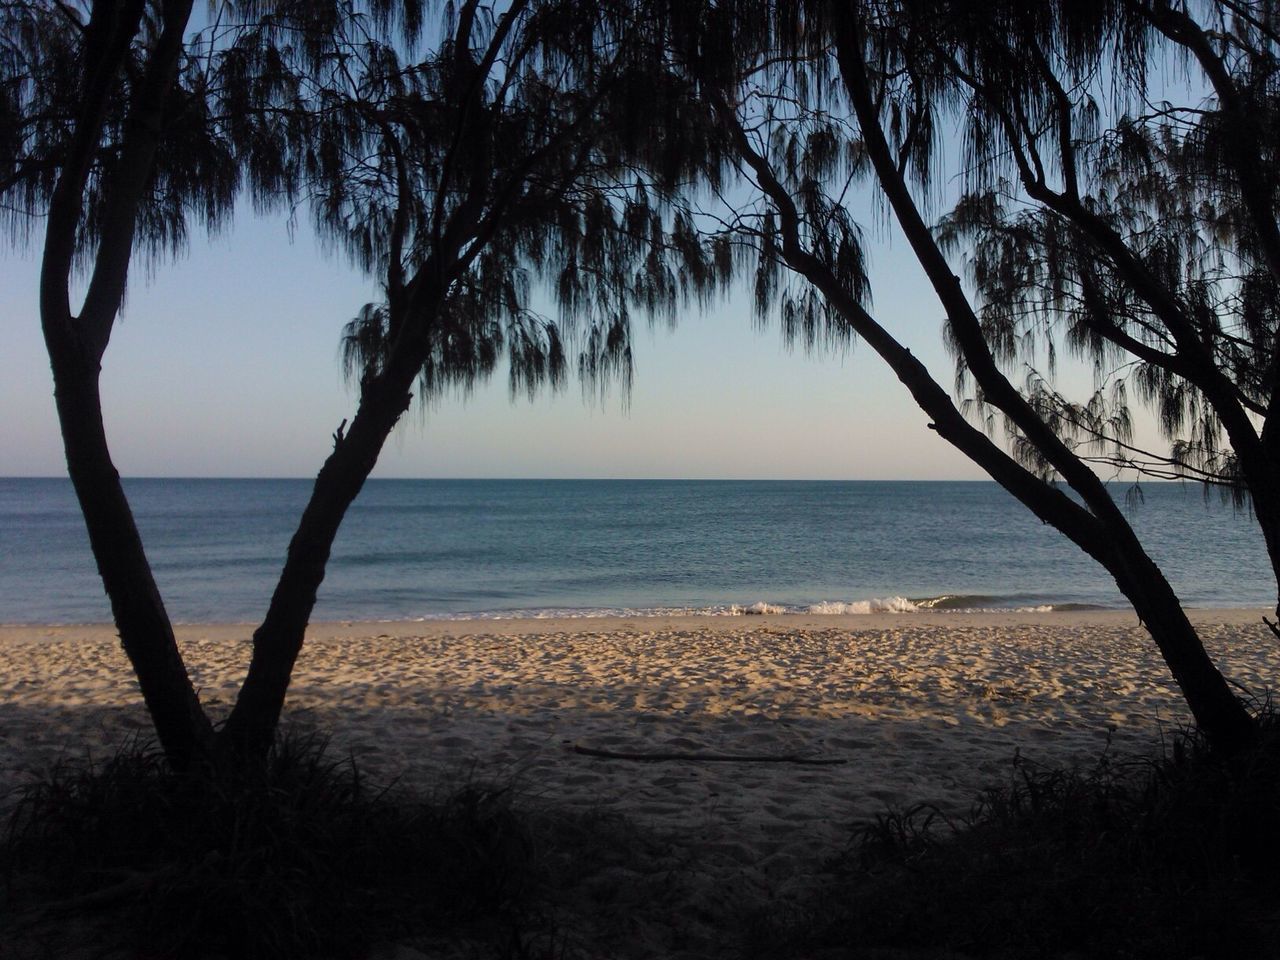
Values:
[(304, 859), (1175, 857)]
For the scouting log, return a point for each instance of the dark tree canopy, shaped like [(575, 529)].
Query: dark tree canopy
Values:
[(1028, 146), (464, 155)]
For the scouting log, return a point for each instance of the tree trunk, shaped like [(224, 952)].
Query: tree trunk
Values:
[(76, 344), (1217, 710), (250, 728), (1102, 533), (146, 633)]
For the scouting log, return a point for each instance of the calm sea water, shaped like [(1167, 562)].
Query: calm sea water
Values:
[(474, 548)]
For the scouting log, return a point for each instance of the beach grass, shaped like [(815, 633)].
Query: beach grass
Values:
[(1175, 857), (304, 858)]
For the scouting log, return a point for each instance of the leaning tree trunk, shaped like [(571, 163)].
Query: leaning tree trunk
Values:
[(1101, 531), (1106, 535), (250, 728), (140, 616), (1218, 712), (384, 397)]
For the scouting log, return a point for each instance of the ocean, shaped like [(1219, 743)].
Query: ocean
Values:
[(503, 548)]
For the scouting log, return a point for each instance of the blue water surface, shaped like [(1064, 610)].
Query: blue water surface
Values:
[(440, 548)]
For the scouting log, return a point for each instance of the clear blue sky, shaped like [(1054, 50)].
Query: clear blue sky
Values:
[(225, 364)]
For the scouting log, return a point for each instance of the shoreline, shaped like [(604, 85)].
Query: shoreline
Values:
[(716, 623)]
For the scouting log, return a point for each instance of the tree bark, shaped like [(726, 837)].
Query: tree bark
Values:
[(76, 344), (250, 728), (1218, 712), (146, 633)]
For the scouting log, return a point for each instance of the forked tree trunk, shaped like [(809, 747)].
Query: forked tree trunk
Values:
[(76, 344)]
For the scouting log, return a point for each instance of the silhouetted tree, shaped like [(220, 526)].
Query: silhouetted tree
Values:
[(1143, 242), (462, 167), (86, 97), (540, 143), (532, 144), (1147, 245)]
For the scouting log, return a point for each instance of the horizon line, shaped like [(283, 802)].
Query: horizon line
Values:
[(548, 479)]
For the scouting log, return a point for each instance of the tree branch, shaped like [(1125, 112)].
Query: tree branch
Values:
[(143, 131), (1043, 499)]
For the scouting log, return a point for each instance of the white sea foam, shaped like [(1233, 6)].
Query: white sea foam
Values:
[(949, 604), (875, 605), (760, 607)]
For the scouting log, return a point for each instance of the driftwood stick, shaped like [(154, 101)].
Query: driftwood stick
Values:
[(707, 757), (132, 886)]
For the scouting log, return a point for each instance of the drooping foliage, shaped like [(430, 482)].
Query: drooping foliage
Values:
[(1105, 170), (49, 54), (386, 119), (503, 172), (1004, 137), (1113, 209)]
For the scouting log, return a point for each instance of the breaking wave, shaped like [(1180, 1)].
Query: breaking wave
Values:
[(876, 605), (958, 604)]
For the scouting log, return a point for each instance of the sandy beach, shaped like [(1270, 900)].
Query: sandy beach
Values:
[(920, 708)]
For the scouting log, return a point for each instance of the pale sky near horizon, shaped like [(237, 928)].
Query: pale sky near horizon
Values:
[(225, 364)]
